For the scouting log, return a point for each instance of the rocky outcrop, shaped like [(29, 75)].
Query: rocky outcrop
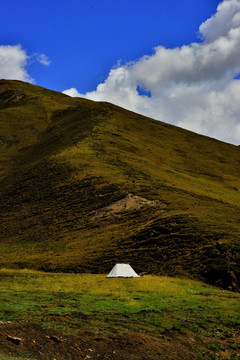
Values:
[(10, 98)]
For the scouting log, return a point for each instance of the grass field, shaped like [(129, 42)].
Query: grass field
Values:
[(203, 318)]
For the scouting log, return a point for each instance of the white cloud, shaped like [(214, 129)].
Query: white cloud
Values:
[(14, 61), (72, 92), (226, 18), (43, 59), (192, 86)]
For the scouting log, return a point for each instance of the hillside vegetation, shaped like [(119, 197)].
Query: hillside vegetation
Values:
[(85, 184)]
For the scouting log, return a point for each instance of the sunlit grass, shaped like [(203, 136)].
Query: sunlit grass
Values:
[(94, 293), (31, 280), (157, 305)]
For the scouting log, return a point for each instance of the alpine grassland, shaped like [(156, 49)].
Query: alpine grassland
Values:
[(86, 184), (181, 312)]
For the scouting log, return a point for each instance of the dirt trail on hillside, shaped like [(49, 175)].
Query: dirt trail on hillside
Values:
[(41, 343)]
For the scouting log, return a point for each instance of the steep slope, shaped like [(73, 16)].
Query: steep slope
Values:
[(86, 184)]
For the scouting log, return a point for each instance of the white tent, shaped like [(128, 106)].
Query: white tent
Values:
[(122, 270)]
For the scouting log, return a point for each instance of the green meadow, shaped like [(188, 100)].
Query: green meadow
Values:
[(202, 317)]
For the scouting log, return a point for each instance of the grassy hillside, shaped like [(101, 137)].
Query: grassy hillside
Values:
[(62, 316), (86, 184)]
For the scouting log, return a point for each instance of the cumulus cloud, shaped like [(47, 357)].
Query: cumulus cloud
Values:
[(14, 61), (194, 86)]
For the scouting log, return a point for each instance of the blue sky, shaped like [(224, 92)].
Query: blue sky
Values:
[(175, 61), (84, 39)]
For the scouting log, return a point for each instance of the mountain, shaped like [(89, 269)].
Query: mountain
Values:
[(86, 184)]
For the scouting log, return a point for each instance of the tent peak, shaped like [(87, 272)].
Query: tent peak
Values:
[(122, 270)]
